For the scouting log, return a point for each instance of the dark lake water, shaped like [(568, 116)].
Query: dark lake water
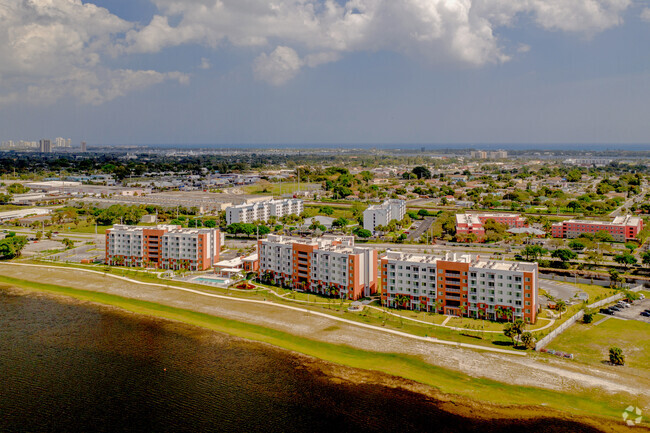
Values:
[(80, 368)]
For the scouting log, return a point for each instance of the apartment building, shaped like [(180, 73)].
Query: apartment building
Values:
[(382, 214), (262, 211), (472, 223), (163, 246), (331, 265), (460, 285), (622, 228)]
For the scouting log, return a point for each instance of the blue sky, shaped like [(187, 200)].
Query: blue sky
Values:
[(312, 71)]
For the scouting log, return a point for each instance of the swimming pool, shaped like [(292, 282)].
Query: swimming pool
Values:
[(211, 280)]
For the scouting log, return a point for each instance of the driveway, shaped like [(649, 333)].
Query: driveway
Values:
[(422, 228)]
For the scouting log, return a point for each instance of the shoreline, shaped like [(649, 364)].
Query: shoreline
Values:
[(332, 359)]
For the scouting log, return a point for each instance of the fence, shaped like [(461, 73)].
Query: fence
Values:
[(560, 329), (563, 327), (568, 279)]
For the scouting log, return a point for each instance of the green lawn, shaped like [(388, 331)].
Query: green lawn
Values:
[(591, 343), (596, 293), (280, 188), (594, 403), (345, 212)]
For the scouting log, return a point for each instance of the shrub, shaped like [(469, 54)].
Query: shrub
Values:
[(616, 356)]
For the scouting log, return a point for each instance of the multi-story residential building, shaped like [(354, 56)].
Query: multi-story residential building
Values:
[(472, 223), (622, 229), (262, 211), (382, 214), (460, 285), (163, 246), (328, 265)]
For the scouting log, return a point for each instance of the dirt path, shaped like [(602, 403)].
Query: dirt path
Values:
[(518, 370)]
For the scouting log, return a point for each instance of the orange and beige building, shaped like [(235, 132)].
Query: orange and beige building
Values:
[(163, 246), (461, 285), (622, 228), (331, 265)]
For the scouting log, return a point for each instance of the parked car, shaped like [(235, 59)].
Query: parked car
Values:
[(645, 314), (615, 308), (607, 311)]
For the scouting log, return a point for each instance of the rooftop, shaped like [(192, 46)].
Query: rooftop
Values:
[(474, 261)]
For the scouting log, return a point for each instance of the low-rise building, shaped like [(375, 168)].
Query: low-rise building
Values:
[(331, 266), (262, 211), (163, 246), (472, 223), (461, 285), (382, 214), (622, 228)]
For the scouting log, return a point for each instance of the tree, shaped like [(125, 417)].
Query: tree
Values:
[(362, 233), (326, 210), (560, 306), (494, 231), (528, 340), (68, 243), (564, 254), (574, 175), (625, 259), (39, 235), (533, 252), (340, 222), (645, 258), (616, 356), (510, 332), (576, 244), (603, 236), (422, 172), (12, 246), (49, 234), (210, 223), (614, 277), (588, 317)]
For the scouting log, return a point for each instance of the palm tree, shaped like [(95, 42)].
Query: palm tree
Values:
[(509, 313), (561, 307), (499, 312), (463, 310)]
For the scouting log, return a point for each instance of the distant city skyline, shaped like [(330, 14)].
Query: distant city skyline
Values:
[(360, 72)]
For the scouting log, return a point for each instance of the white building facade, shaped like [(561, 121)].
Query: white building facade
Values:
[(384, 213), (460, 285), (163, 246), (329, 265), (262, 211)]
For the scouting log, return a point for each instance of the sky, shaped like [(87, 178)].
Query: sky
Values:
[(223, 72)]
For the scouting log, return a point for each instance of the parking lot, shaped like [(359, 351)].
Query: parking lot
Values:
[(558, 289), (633, 313)]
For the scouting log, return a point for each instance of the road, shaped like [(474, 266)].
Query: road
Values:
[(630, 201)]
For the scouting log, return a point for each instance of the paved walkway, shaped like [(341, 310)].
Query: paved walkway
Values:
[(288, 307)]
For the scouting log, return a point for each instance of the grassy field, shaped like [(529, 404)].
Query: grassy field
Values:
[(590, 344), (280, 188), (345, 212), (593, 403), (596, 293)]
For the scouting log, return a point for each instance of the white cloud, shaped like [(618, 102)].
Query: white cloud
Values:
[(58, 48), (51, 49), (205, 63), (456, 31), (645, 14), (278, 67)]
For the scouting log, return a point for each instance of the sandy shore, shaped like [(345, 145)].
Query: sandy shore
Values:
[(531, 371)]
